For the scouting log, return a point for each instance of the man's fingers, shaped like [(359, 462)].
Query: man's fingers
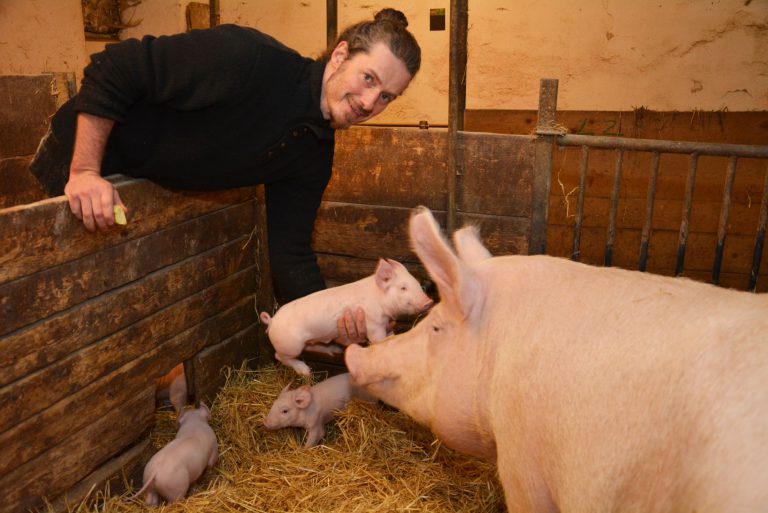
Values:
[(87, 215)]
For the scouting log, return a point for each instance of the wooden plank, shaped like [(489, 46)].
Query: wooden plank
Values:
[(663, 250), (46, 234), (501, 235), (667, 214), (399, 167), (340, 269), (28, 103), (363, 231), (497, 174), (45, 293), (703, 126), (46, 429), (265, 295), (17, 185), (636, 170), (110, 473), (208, 365), (47, 341), (64, 465), (39, 390)]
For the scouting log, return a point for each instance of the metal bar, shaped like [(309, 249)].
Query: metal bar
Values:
[(457, 93), (331, 22), (214, 12), (722, 225), (650, 198), (760, 237), (688, 202), (622, 143), (614, 208), (542, 167), (576, 251)]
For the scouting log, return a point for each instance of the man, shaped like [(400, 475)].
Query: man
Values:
[(226, 107)]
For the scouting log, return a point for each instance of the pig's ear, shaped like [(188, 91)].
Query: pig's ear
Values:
[(364, 371), (303, 397), (459, 288), (468, 245), (385, 271)]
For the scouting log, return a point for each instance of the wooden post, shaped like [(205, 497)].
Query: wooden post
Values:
[(542, 168), (332, 20), (457, 93)]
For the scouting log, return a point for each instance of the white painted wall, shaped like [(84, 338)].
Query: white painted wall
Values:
[(608, 54)]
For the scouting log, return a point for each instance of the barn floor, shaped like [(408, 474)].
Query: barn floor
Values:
[(373, 459)]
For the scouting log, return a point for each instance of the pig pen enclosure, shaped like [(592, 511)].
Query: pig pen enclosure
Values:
[(89, 322)]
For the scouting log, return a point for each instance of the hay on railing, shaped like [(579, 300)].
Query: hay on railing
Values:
[(372, 459)]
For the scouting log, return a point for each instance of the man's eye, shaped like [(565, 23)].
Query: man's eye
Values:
[(367, 77), (386, 98)]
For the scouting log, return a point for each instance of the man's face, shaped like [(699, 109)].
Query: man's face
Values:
[(359, 87)]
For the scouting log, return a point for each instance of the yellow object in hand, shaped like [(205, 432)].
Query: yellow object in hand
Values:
[(119, 215)]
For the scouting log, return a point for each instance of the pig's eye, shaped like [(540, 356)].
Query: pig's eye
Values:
[(403, 288), (435, 328), (285, 411)]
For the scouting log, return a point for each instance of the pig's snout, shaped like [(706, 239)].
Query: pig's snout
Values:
[(427, 304)]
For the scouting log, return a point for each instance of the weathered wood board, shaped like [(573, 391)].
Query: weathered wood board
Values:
[(89, 321)]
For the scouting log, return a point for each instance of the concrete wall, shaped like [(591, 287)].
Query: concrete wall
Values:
[(608, 55)]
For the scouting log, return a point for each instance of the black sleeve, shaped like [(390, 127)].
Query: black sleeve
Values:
[(186, 71), (291, 212)]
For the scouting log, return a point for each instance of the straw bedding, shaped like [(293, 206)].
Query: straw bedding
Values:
[(372, 459)]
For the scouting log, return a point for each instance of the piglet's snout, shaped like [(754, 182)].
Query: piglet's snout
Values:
[(427, 304)]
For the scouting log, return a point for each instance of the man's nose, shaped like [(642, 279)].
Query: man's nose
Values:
[(369, 99)]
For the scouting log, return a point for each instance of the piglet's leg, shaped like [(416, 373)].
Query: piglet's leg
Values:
[(296, 364), (314, 435)]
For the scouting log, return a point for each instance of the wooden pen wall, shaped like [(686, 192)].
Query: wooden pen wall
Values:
[(88, 322)]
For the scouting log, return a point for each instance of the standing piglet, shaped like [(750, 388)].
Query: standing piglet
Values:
[(593, 389), (313, 407), (173, 468), (390, 292)]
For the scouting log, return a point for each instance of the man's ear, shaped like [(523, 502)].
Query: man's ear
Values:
[(339, 54)]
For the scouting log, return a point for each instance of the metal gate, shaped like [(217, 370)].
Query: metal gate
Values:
[(548, 133)]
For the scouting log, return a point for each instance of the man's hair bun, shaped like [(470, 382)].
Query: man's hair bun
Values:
[(393, 16)]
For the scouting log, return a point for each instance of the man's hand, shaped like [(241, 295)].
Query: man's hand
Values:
[(352, 327), (92, 199)]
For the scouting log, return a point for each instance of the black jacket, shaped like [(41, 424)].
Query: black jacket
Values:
[(221, 108)]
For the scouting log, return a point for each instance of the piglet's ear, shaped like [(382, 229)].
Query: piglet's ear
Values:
[(460, 289), (385, 271), (303, 397)]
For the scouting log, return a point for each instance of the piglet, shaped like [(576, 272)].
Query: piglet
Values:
[(173, 468), (390, 292), (312, 407)]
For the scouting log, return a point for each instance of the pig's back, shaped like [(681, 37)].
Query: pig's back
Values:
[(627, 387)]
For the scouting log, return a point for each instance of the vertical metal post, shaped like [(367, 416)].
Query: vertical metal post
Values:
[(332, 20), (645, 241), (457, 94), (214, 11), (722, 226), (611, 237), (760, 236), (687, 206), (576, 249), (542, 167)]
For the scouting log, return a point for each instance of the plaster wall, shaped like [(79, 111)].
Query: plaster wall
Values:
[(38, 36), (619, 54), (608, 54)]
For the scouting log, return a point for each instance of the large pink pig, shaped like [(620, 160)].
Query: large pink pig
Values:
[(593, 389), (173, 468), (385, 295)]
